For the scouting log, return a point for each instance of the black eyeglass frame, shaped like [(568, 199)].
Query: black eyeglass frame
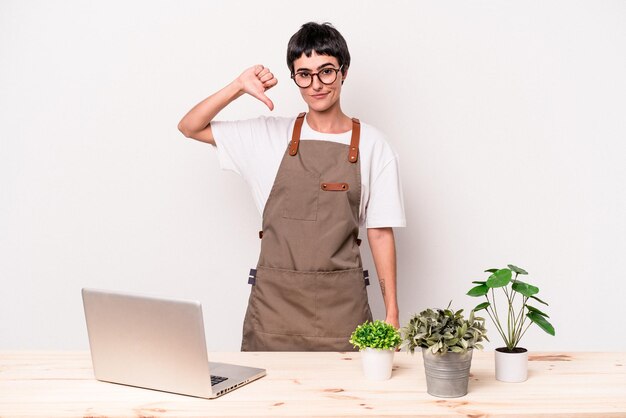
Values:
[(336, 70)]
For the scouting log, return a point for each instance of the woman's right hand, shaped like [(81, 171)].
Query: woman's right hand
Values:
[(255, 81)]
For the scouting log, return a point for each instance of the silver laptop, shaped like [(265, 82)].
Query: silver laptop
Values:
[(156, 343)]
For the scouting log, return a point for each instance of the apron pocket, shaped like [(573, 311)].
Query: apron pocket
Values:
[(284, 302), (342, 303), (310, 304), (301, 190)]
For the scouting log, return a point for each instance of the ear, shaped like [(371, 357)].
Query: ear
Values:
[(344, 74)]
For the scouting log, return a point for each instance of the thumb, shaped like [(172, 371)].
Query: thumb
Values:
[(268, 102), (262, 97)]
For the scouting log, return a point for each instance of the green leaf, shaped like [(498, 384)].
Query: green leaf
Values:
[(525, 288), (533, 309), (491, 270), (480, 290), (478, 282), (377, 334), (539, 300), (517, 269), (440, 330), (500, 278), (481, 306), (541, 321)]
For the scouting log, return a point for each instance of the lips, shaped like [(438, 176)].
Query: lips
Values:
[(319, 96)]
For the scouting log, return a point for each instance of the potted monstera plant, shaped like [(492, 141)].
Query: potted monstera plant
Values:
[(447, 341), (512, 315), (377, 341)]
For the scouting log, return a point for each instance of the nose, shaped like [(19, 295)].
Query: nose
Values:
[(316, 83)]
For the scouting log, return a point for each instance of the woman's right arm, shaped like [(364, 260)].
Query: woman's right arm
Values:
[(254, 81)]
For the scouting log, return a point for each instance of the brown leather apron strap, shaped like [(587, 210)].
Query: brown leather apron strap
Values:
[(353, 154), (295, 136)]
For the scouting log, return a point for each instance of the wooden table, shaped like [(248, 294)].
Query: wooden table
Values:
[(61, 384)]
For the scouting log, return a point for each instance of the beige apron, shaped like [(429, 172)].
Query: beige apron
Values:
[(308, 290)]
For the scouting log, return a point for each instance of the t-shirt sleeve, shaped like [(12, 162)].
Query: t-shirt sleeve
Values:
[(233, 140), (253, 149), (247, 145), (386, 203)]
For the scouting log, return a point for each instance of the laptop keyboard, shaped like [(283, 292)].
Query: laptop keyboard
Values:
[(217, 379)]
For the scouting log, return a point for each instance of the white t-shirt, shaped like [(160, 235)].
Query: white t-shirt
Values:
[(254, 149)]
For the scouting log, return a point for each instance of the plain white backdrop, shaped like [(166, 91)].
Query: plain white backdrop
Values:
[(509, 118)]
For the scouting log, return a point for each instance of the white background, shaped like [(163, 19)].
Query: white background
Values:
[(509, 118)]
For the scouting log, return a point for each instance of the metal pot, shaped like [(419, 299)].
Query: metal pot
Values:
[(447, 375)]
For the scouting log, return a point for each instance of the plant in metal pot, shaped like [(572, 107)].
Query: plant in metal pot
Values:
[(377, 342), (447, 341), (512, 316)]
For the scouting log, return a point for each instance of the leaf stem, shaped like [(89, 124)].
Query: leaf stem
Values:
[(495, 312), (513, 320), (520, 337), (498, 327), (494, 317), (512, 291), (521, 319)]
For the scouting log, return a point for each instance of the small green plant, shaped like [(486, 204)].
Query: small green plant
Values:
[(377, 334), (516, 314), (443, 330)]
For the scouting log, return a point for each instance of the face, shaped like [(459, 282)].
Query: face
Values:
[(318, 96)]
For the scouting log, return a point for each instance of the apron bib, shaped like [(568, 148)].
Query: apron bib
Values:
[(308, 291)]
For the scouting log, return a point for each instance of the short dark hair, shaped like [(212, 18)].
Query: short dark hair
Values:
[(323, 38)]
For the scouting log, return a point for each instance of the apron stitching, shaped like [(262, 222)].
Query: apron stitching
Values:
[(356, 269), (304, 335)]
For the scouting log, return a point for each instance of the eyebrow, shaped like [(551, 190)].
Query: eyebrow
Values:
[(319, 68)]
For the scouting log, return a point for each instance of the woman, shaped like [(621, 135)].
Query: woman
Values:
[(315, 179)]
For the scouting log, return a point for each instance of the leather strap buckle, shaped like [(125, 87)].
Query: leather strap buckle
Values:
[(353, 153), (295, 136)]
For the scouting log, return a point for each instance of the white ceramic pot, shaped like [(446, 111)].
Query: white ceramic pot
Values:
[(511, 366), (376, 363)]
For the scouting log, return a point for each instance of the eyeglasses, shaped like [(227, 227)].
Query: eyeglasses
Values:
[(304, 79)]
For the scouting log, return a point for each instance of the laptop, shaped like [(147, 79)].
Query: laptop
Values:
[(156, 343)]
